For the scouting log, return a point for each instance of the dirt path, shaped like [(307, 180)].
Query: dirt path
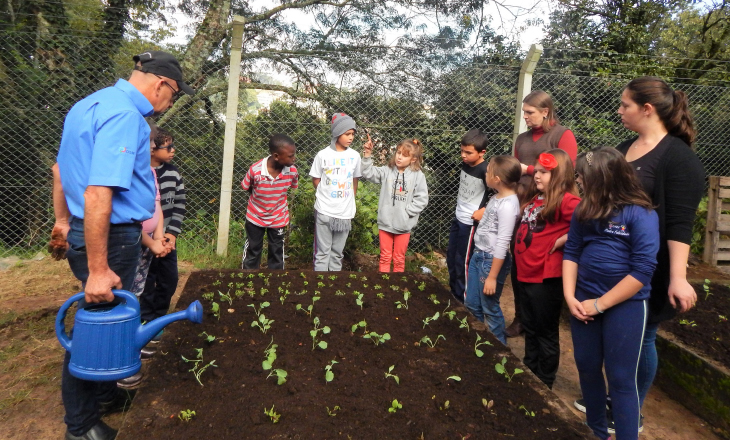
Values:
[(664, 419), (30, 356)]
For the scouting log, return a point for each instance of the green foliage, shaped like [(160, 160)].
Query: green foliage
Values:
[(502, 369)]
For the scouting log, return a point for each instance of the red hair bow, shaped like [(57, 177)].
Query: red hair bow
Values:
[(548, 161)]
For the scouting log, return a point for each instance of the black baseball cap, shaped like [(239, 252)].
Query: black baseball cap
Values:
[(163, 64)]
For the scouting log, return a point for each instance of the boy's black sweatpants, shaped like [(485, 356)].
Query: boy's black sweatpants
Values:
[(255, 243), (160, 287)]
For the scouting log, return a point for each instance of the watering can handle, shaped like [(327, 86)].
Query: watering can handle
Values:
[(60, 324)]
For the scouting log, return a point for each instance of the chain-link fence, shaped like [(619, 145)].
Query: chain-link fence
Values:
[(38, 87)]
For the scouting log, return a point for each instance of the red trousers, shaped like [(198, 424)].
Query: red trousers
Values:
[(393, 247)]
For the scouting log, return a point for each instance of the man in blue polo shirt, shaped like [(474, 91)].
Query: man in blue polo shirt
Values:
[(103, 190)]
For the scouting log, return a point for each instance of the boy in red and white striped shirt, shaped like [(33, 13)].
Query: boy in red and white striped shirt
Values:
[(268, 181)]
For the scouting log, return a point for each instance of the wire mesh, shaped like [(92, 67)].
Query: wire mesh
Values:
[(38, 87)]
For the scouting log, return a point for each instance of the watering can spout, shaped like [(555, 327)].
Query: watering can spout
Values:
[(146, 332)]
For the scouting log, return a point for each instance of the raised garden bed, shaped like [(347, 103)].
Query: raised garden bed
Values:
[(694, 357), (444, 392)]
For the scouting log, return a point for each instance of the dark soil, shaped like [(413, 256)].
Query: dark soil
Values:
[(232, 401), (705, 327)]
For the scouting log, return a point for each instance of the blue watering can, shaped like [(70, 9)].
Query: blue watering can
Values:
[(108, 337)]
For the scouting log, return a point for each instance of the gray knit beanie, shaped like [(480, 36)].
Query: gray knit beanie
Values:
[(341, 123)]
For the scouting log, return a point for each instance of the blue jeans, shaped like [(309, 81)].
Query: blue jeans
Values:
[(81, 397), (457, 256), (486, 306), (612, 341), (648, 362)]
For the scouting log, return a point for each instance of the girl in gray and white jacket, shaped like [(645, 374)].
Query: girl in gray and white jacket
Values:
[(403, 196)]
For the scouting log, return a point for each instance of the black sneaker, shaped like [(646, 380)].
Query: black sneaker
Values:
[(580, 405), (100, 431), (612, 424), (121, 402)]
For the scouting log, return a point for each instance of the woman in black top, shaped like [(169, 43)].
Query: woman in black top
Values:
[(674, 178)]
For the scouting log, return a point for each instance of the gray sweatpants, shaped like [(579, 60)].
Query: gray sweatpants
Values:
[(328, 245)]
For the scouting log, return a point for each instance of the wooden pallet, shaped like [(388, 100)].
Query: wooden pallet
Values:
[(717, 241)]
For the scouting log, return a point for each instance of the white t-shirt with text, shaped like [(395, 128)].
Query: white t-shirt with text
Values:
[(335, 196)]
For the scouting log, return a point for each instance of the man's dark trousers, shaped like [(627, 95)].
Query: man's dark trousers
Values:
[(159, 287), (81, 397), (255, 243)]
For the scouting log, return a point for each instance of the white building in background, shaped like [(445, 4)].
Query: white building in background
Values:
[(266, 97)]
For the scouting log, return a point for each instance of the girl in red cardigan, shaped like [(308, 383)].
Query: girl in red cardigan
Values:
[(551, 199)]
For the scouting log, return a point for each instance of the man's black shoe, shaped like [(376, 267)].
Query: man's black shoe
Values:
[(147, 353), (100, 431), (121, 402), (131, 382)]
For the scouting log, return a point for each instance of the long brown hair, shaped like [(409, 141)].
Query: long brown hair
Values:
[(562, 181), (672, 106), (541, 101), (410, 148), (609, 183), (507, 168)]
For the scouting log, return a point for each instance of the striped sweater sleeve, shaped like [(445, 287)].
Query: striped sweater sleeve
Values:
[(172, 195)]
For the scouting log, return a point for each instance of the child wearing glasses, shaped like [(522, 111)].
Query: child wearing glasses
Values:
[(162, 277)]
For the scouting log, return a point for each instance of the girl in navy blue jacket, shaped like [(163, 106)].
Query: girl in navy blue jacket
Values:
[(608, 263)]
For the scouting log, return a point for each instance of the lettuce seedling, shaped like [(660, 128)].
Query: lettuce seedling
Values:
[(361, 324), (463, 324), (263, 323), (264, 305), (488, 404), (380, 295), (426, 340), (428, 320), (456, 378), (527, 412), (404, 279), (390, 370), (406, 297), (477, 351), (270, 354), (186, 415), (272, 414), (310, 307), (353, 276), (208, 338), (208, 296), (333, 411), (395, 406), (197, 370), (432, 297), (332, 277), (216, 309), (706, 288), (280, 376), (501, 369), (359, 301), (315, 332), (386, 276), (329, 375), (376, 338), (422, 286), (226, 297)]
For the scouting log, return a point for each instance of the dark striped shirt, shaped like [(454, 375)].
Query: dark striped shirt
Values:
[(172, 197)]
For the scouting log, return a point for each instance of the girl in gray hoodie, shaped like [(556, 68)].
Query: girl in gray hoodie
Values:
[(403, 195)]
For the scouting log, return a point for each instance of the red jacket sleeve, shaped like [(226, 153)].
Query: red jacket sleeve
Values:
[(568, 144)]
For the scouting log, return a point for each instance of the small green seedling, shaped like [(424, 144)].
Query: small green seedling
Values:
[(376, 338), (316, 331), (380, 295), (270, 355), (362, 324), (527, 412), (463, 323), (501, 369), (406, 297), (377, 287), (320, 284), (456, 378), (339, 292), (686, 322), (426, 340), (706, 288), (217, 283), (432, 297), (208, 296), (264, 290), (333, 412), (332, 277), (446, 405), (301, 274), (329, 375), (477, 351), (359, 300), (364, 278), (386, 276), (320, 277), (722, 318), (451, 314), (395, 406), (404, 279), (197, 369), (272, 414), (226, 297), (208, 338), (264, 305), (348, 285), (216, 309), (353, 276), (310, 307), (186, 415), (280, 376), (388, 374), (428, 320), (488, 404), (282, 298), (422, 286), (394, 288)]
